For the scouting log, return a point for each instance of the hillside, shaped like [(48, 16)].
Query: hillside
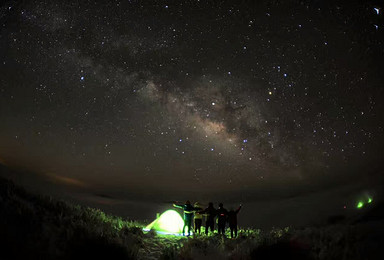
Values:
[(37, 227), (40, 227)]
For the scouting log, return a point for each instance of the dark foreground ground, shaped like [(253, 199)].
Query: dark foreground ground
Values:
[(39, 227)]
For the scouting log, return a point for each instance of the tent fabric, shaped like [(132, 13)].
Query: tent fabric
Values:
[(170, 222)]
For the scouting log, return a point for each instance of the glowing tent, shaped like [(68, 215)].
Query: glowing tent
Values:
[(170, 222)]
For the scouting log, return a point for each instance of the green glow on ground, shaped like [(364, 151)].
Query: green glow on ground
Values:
[(169, 222), (360, 204), (369, 199)]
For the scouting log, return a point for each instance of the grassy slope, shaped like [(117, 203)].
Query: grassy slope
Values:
[(38, 227)]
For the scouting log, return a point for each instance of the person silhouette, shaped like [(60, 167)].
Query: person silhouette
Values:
[(188, 215), (232, 221), (210, 213), (222, 214), (198, 217)]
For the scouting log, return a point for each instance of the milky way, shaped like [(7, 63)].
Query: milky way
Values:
[(213, 95)]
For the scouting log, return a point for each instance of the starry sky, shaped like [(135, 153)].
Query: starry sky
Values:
[(193, 96)]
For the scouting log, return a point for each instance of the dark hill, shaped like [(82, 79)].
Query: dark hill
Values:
[(39, 227)]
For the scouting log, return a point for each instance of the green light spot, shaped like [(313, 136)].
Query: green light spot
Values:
[(369, 199), (360, 204), (169, 222)]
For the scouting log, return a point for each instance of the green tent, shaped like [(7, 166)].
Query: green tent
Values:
[(170, 222)]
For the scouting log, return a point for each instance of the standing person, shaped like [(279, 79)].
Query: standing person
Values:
[(232, 220), (198, 217), (222, 214), (210, 214), (188, 215)]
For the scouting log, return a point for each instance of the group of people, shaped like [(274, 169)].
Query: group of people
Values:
[(196, 212)]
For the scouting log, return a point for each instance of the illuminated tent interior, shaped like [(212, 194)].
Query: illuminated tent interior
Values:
[(170, 223)]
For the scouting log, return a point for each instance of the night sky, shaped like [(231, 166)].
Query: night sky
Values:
[(193, 96)]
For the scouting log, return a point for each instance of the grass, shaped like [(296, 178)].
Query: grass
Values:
[(40, 227)]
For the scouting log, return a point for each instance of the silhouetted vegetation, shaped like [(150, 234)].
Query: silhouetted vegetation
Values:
[(39, 227)]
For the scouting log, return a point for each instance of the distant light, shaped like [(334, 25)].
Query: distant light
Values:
[(213, 103), (377, 10), (369, 199), (166, 7), (229, 73), (270, 92), (82, 78), (245, 141), (285, 74), (212, 149), (360, 204), (180, 140)]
